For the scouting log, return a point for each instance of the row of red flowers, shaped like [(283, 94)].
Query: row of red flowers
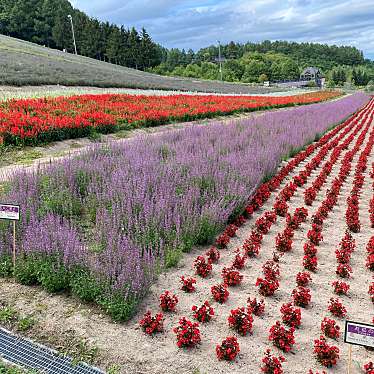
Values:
[(53, 118)]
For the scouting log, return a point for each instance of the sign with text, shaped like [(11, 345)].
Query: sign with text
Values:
[(359, 333), (11, 212)]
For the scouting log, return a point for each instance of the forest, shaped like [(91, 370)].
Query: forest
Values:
[(46, 22)]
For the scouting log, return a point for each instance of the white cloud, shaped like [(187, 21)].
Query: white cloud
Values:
[(192, 23)]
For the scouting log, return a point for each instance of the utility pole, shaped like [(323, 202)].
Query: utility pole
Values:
[(72, 29), (219, 59)]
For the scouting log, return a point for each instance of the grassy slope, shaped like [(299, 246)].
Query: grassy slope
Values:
[(24, 63)]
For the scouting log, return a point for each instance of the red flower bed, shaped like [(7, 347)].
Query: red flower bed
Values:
[(220, 293), (281, 337), (280, 207), (239, 262), (340, 288), (327, 355), (204, 313), (291, 316), (229, 349), (283, 241), (168, 302), (64, 117), (303, 279), (188, 333), (301, 296), (231, 277), (252, 245), (257, 307), (213, 255), (267, 287), (202, 267), (330, 328), (369, 368), (241, 321), (337, 308), (152, 325), (188, 284), (344, 270), (272, 364)]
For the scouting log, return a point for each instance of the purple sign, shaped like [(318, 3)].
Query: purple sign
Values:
[(11, 212), (359, 333)]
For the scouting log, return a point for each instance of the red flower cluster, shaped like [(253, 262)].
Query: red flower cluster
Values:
[(310, 262), (152, 325), (344, 270), (231, 277), (168, 302), (223, 240), (327, 355), (231, 230), (280, 207), (267, 287), (187, 284), (220, 293), (202, 267), (252, 245), (330, 328), (272, 364), (314, 234), (299, 216), (229, 349), (239, 262), (337, 308), (283, 241), (241, 321), (213, 255), (188, 333), (303, 279), (301, 296), (281, 337), (371, 293), (340, 288), (271, 270), (369, 368), (370, 257), (291, 316), (257, 307), (204, 313)]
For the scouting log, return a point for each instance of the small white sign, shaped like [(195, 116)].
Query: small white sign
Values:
[(359, 334), (11, 212)]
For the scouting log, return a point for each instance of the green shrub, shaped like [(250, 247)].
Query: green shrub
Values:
[(6, 266), (84, 286), (26, 271), (117, 307), (52, 275)]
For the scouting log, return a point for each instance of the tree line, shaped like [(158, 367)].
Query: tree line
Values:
[(45, 22)]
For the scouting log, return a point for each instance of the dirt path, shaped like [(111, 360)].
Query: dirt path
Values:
[(127, 346)]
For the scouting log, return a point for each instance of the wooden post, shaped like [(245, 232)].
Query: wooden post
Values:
[(14, 245), (349, 359)]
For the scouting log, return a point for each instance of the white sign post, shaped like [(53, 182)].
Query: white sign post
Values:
[(11, 213), (358, 333)]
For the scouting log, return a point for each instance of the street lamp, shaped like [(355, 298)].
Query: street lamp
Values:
[(219, 59), (72, 29)]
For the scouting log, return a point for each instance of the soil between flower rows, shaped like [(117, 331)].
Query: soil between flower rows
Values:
[(136, 352)]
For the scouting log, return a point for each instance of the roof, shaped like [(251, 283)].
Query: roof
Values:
[(311, 70)]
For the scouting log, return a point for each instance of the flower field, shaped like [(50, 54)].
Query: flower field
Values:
[(33, 121), (289, 250)]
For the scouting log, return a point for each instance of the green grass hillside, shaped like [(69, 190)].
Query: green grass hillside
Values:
[(25, 63)]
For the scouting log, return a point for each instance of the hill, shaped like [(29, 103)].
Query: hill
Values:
[(25, 63)]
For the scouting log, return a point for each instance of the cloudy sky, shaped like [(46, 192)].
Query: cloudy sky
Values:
[(195, 24)]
